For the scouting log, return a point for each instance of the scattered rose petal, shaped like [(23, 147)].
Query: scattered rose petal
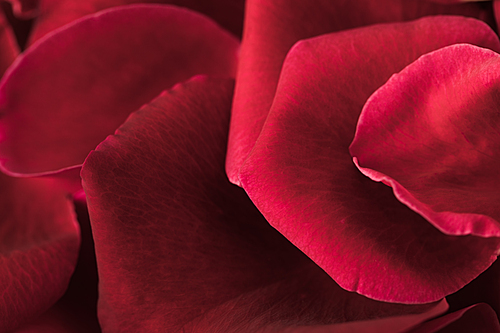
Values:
[(431, 133), (56, 13), (273, 26), (38, 249), (179, 248), (301, 177), (100, 69)]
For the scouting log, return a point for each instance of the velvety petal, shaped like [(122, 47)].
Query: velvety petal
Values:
[(56, 13), (100, 69), (478, 318), (76, 310), (273, 26), (302, 178), (38, 248), (9, 49), (180, 248), (432, 134)]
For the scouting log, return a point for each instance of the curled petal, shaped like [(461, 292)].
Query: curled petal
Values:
[(301, 177), (38, 248), (100, 69), (160, 202), (273, 26), (432, 134), (478, 318)]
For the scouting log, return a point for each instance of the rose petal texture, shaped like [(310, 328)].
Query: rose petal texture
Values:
[(53, 14), (100, 69), (273, 26), (179, 248), (301, 176), (431, 133), (9, 49), (38, 249), (76, 310)]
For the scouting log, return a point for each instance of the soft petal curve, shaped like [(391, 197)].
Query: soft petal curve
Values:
[(273, 26), (38, 249), (53, 14), (160, 202), (301, 177), (432, 134), (100, 69)]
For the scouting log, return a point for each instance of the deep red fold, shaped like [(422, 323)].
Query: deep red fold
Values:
[(38, 248), (301, 176)]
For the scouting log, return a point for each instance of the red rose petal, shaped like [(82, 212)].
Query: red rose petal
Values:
[(478, 318), (273, 26), (301, 176), (9, 49), (180, 248), (100, 69), (431, 133), (56, 13), (25, 8), (38, 248)]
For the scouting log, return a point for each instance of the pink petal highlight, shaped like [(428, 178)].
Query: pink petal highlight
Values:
[(301, 177), (100, 69), (38, 249), (431, 133), (273, 26), (179, 248)]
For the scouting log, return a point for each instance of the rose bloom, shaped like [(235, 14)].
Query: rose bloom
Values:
[(261, 166)]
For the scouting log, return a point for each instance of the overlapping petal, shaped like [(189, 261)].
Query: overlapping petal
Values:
[(180, 248), (8, 45), (38, 249), (432, 134), (478, 318), (301, 176), (272, 27), (65, 94), (53, 14)]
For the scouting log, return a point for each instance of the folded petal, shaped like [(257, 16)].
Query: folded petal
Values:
[(9, 49), (273, 26), (180, 248), (432, 134), (38, 249), (53, 14), (100, 69), (301, 176), (478, 318)]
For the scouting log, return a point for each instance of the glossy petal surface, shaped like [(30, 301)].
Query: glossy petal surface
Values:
[(56, 13), (100, 69), (432, 134), (273, 26), (38, 248), (302, 178), (180, 248)]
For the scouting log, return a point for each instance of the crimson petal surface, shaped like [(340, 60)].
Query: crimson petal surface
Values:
[(273, 26), (301, 176), (100, 69), (180, 248), (38, 249), (432, 134)]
